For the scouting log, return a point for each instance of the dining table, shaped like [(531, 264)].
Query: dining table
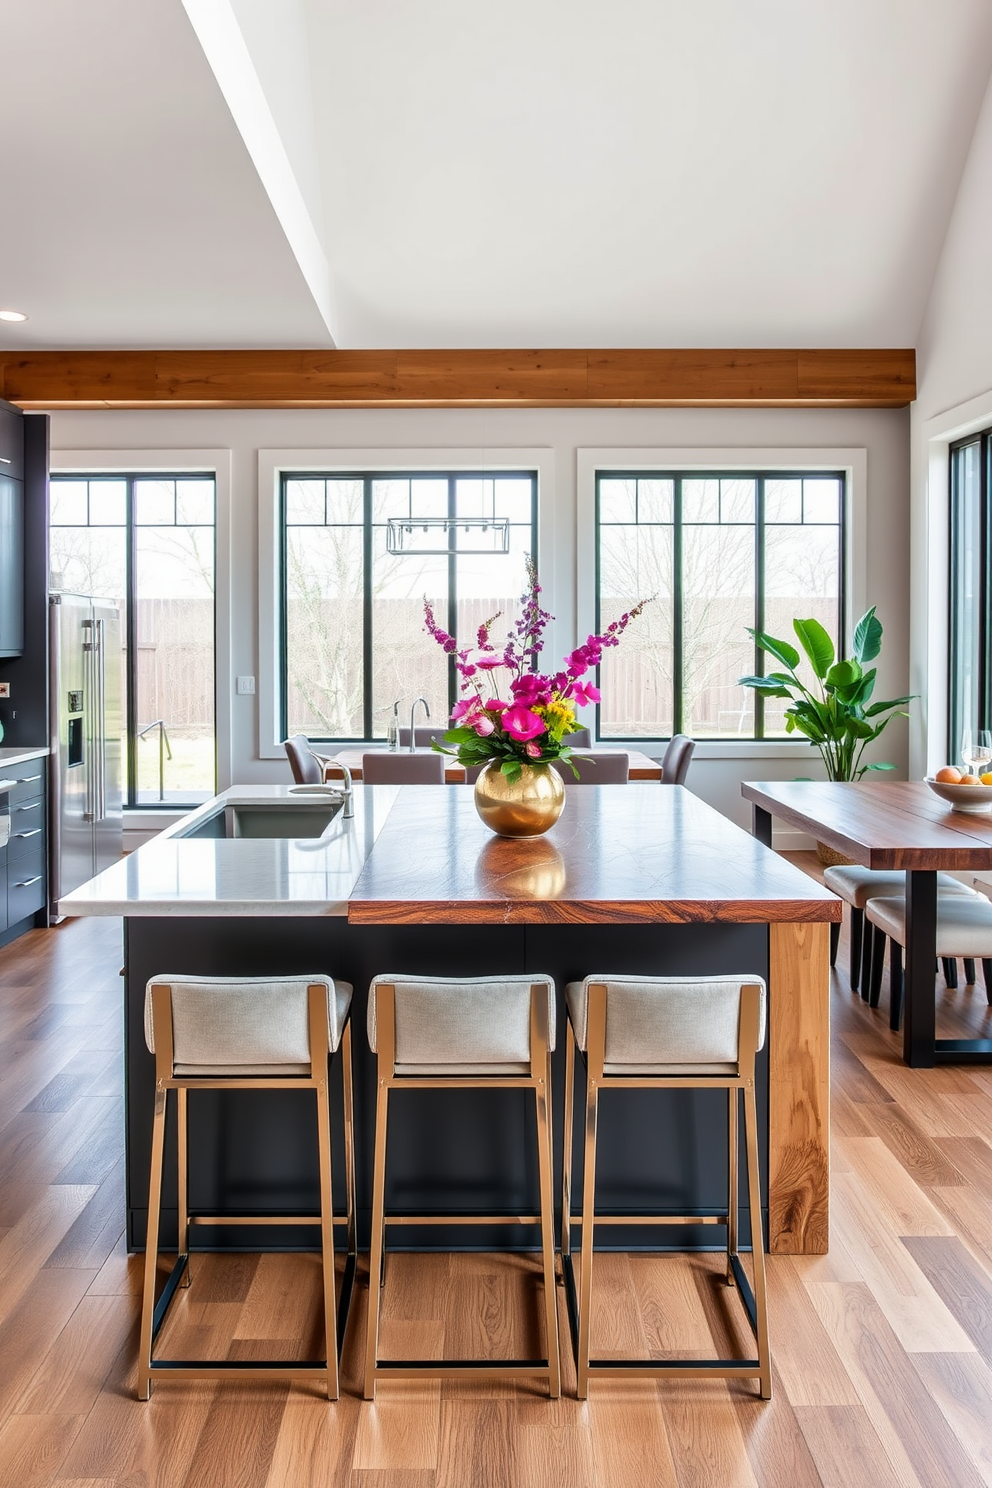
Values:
[(893, 825), (640, 766)]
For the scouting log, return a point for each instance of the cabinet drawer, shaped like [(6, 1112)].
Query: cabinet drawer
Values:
[(28, 781), (27, 816), (25, 838), (25, 882), (11, 443)]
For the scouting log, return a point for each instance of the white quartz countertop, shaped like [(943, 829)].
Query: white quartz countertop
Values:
[(177, 875), (20, 756)]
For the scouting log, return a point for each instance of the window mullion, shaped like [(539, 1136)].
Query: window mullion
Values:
[(759, 601), (367, 639), (678, 706), (131, 621)]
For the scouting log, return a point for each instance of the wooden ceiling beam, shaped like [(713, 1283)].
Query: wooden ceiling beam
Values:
[(453, 379)]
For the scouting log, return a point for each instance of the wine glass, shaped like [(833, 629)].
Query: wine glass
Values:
[(976, 750)]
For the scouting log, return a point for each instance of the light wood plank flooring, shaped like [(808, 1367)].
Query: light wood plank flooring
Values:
[(882, 1350)]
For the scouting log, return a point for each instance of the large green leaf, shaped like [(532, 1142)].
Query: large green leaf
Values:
[(817, 645), (766, 685), (781, 650), (867, 637), (877, 708), (843, 674), (880, 766)]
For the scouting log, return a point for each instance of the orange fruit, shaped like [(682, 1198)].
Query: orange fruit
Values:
[(948, 776), (986, 779), (969, 780)]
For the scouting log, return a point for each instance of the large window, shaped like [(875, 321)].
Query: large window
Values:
[(147, 541), (360, 554), (970, 692), (720, 552)]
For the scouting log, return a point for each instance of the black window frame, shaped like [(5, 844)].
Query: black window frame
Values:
[(760, 476), (956, 721), (130, 479), (448, 622)]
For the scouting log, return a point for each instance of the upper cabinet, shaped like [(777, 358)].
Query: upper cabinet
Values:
[(11, 532)]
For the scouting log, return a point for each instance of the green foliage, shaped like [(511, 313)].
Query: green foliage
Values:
[(837, 716)]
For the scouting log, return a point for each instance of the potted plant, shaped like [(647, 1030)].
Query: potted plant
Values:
[(837, 714)]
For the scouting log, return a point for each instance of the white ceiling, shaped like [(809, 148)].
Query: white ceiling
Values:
[(454, 173)]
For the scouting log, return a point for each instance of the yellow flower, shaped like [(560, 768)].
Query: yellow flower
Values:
[(558, 716)]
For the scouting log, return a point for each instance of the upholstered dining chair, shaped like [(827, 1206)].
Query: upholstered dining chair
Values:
[(677, 759), (306, 767), (423, 735), (385, 768), (597, 767)]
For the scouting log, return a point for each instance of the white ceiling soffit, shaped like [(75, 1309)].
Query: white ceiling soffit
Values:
[(640, 173), (132, 212)]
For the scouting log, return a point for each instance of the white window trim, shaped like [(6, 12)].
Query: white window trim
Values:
[(181, 462), (854, 463), (274, 463), (930, 579)]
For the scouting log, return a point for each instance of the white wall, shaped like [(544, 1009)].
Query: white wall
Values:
[(954, 375), (717, 769)]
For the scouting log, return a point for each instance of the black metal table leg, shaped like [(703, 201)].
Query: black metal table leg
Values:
[(761, 825), (921, 949)]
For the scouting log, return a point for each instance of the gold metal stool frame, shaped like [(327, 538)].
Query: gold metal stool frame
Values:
[(538, 1080), (580, 1303), (153, 1315)]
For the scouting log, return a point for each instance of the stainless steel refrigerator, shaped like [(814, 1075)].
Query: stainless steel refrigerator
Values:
[(85, 765)]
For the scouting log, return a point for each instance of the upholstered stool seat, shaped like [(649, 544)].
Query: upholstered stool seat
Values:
[(273, 1033), (665, 1033), (856, 885), (964, 928), (444, 1033)]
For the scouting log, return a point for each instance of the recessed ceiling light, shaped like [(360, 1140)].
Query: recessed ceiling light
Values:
[(12, 315)]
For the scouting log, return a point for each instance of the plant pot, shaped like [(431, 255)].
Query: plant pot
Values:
[(525, 807), (830, 857)]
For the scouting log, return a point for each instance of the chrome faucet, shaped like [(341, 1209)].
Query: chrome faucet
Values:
[(347, 791), (427, 710)]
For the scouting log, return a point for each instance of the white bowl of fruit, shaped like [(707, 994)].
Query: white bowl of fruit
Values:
[(964, 792)]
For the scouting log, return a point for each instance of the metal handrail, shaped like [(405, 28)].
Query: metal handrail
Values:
[(163, 746)]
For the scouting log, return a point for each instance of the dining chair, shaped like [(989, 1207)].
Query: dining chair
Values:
[(964, 929), (306, 767), (238, 1034), (384, 768), (423, 735), (677, 759), (580, 738), (856, 885), (596, 767)]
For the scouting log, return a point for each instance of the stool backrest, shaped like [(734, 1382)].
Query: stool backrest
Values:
[(485, 1021), (677, 759), (693, 1022), (384, 768), (302, 761), (597, 767), (230, 1024)]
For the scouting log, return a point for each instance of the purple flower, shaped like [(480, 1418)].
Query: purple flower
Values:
[(585, 693)]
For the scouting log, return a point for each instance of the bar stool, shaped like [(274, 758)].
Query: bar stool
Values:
[(453, 1033), (666, 1033), (229, 1033)]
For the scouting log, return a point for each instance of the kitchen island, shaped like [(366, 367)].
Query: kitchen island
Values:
[(636, 878)]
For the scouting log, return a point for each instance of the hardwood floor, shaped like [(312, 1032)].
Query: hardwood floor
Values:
[(882, 1349)]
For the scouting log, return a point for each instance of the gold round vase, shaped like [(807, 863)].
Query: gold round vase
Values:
[(528, 806)]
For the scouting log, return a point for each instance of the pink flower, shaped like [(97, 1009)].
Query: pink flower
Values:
[(490, 663), (585, 693), (521, 724), (495, 706), (534, 750), (463, 708), (483, 726)]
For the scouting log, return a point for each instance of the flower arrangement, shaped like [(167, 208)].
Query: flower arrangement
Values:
[(529, 722)]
